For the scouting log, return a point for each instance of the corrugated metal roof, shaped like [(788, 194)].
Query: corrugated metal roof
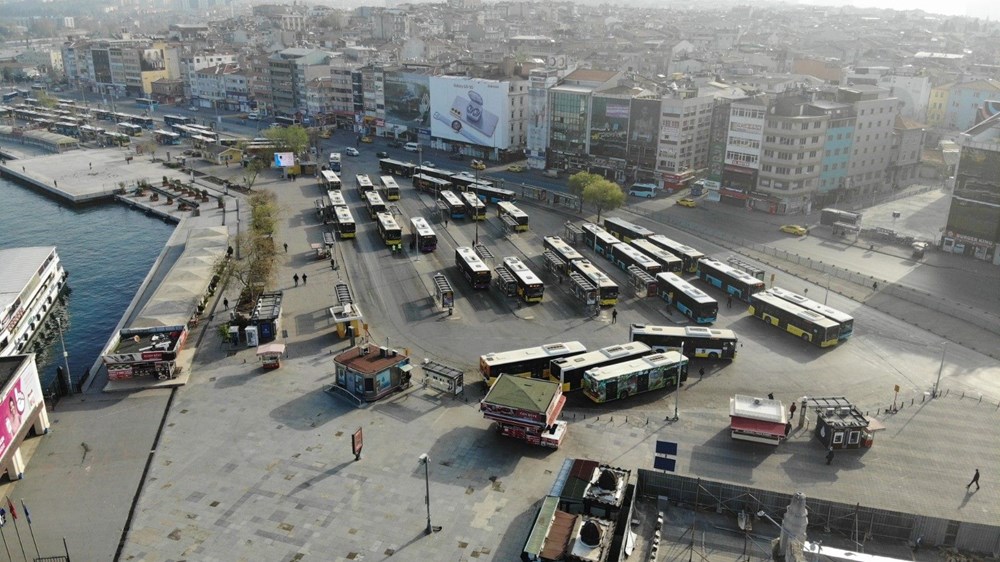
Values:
[(531, 395)]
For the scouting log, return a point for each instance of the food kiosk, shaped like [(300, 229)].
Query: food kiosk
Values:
[(270, 354), (761, 420)]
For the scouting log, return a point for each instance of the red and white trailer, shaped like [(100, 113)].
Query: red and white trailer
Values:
[(761, 420), (526, 409)]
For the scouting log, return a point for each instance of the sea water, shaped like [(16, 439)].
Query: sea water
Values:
[(107, 249)]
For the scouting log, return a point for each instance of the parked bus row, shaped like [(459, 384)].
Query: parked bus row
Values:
[(815, 323), (612, 373)]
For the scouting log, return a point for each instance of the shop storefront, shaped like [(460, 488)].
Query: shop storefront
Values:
[(23, 412), (146, 352)]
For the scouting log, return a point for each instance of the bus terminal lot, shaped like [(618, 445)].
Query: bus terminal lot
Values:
[(255, 466)]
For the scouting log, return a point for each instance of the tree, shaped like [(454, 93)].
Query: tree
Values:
[(605, 195), (289, 139), (579, 181), (251, 172)]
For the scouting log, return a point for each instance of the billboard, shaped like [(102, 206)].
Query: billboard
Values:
[(284, 159), (20, 400), (644, 123), (470, 110), (407, 99), (609, 127)]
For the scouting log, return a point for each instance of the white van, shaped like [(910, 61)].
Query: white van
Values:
[(253, 116), (647, 190), (411, 147)]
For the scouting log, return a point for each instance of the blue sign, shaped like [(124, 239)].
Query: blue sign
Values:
[(666, 448), (662, 460), (425, 132), (663, 463)]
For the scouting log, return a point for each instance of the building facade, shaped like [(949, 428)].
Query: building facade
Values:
[(973, 227), (791, 155)]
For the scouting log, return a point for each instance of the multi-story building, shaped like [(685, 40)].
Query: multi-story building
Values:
[(973, 227), (537, 125), (342, 103), (319, 97), (791, 155), (289, 71), (390, 25), (836, 150), (872, 147), (908, 144), (955, 105), (685, 133), (569, 118), (744, 137), (223, 87), (193, 62)]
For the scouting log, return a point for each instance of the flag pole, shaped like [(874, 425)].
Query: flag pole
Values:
[(27, 515), (4, 535), (13, 515)]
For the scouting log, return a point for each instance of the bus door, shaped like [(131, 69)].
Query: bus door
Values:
[(643, 284)]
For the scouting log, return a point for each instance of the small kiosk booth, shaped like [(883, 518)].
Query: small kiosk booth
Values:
[(840, 425), (526, 409), (369, 372), (270, 355), (760, 420), (267, 316), (345, 313)]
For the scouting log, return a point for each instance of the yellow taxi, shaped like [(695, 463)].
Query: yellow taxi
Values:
[(687, 202), (515, 168), (795, 229), (366, 140)]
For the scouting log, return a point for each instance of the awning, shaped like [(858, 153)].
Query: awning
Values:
[(757, 427), (271, 349), (875, 425)]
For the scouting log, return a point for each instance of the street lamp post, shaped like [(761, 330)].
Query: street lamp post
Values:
[(69, 377), (677, 393), (427, 498), (476, 166)]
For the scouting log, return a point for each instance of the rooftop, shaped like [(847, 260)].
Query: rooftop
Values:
[(531, 395), (368, 362), (19, 265), (9, 366)]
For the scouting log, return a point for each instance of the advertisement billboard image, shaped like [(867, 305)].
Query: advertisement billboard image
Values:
[(470, 110), (407, 100), (284, 159), (23, 397), (609, 127), (644, 122)]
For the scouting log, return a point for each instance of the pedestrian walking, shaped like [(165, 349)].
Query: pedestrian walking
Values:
[(286, 247), (91, 165), (225, 303), (788, 429), (55, 183), (614, 315), (875, 286), (305, 278), (701, 373), (829, 455), (975, 480), (791, 411), (729, 301), (296, 279), (770, 396)]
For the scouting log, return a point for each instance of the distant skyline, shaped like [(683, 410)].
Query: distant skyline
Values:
[(973, 8)]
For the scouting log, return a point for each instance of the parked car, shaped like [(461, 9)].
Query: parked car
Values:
[(366, 140), (478, 165), (795, 229), (411, 147), (515, 168), (351, 151), (381, 154), (428, 164), (395, 144), (687, 202), (193, 108)]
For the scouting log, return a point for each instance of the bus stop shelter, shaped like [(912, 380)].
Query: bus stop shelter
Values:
[(505, 281), (643, 284), (584, 291), (444, 378), (444, 293)]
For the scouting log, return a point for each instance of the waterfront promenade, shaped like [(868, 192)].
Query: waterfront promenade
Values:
[(244, 464)]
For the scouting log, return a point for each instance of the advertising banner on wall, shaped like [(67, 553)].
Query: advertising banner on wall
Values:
[(609, 127), (538, 122), (644, 122), (407, 99), (22, 397), (470, 110)]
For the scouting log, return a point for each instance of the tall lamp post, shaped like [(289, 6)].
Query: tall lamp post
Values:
[(427, 498), (477, 165), (69, 377)]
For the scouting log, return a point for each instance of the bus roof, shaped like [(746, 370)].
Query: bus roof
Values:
[(737, 274), (810, 304), (660, 360), (601, 355), (778, 302), (682, 331), (684, 287), (554, 350)]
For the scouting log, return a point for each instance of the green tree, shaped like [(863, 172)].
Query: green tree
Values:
[(289, 139), (46, 100), (579, 181), (605, 195), (252, 171)]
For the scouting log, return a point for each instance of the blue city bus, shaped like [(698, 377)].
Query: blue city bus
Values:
[(735, 282), (692, 302), (147, 104)]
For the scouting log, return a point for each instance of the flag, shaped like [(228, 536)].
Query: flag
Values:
[(27, 515), (13, 512)]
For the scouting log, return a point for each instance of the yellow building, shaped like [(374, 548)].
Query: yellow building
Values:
[(937, 105)]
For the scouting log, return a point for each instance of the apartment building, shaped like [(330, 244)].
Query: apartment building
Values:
[(223, 87), (908, 143), (288, 71), (872, 147), (191, 63), (744, 137), (685, 134), (791, 155), (836, 150)]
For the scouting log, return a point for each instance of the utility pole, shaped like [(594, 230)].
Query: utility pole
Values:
[(937, 384)]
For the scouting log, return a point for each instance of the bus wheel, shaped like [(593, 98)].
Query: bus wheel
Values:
[(805, 337), (713, 355)]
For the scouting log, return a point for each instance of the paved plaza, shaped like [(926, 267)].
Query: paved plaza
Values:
[(247, 464)]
